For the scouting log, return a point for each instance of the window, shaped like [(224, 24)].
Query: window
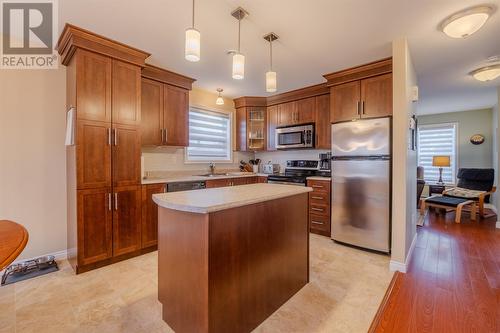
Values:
[(438, 139), (209, 136)]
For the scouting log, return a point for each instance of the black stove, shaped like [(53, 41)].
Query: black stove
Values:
[(297, 171)]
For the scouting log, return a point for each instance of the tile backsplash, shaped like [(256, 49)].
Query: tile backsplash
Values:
[(281, 156)]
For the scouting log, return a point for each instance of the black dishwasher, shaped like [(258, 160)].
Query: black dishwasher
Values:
[(185, 186)]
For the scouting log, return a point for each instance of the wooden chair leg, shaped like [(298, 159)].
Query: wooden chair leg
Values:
[(481, 208), (473, 212), (422, 206), (458, 214)]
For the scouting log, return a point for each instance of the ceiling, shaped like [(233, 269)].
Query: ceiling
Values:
[(316, 37)]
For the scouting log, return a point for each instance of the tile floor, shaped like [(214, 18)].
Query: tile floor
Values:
[(343, 295)]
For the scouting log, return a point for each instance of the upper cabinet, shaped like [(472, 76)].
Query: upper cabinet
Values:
[(126, 93), (251, 124), (296, 112), (323, 124), (165, 108), (272, 123), (361, 92), (287, 114)]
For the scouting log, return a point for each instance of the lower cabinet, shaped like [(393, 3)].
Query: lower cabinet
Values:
[(126, 220), (150, 214), (212, 183), (320, 207)]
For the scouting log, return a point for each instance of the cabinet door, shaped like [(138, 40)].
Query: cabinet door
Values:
[(151, 113), (305, 110), (213, 183), (126, 155), (126, 219), (376, 96), (176, 116), (126, 94), (287, 113), (94, 225), (323, 125), (272, 123), (261, 179), (93, 86), (240, 181), (93, 154), (149, 221), (241, 129), (344, 100)]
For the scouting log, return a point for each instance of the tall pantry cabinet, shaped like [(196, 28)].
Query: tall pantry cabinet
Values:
[(103, 165)]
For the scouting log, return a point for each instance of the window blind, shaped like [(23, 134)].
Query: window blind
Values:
[(439, 139), (209, 136)]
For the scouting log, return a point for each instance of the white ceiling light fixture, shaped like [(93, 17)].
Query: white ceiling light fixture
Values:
[(193, 42), (219, 100), (466, 22), (487, 73), (238, 58), (271, 82)]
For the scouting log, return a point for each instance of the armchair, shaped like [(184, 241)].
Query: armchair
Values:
[(474, 184)]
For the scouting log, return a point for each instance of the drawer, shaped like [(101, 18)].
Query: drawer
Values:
[(319, 224), (319, 209), (320, 198), (319, 185)]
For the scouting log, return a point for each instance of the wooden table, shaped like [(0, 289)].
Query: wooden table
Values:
[(13, 240)]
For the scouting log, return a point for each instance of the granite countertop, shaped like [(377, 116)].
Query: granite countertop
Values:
[(319, 178), (216, 199), (192, 178)]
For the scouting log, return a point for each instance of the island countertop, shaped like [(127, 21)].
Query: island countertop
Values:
[(216, 199)]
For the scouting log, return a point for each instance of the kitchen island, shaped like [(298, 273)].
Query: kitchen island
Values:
[(229, 257)]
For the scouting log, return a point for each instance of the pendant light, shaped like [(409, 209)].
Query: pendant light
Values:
[(466, 22), (238, 58), (192, 49), (219, 100), (271, 84)]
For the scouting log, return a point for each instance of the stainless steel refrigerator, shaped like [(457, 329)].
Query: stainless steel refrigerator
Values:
[(361, 183)]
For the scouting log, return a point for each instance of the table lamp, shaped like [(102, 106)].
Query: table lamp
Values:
[(441, 161)]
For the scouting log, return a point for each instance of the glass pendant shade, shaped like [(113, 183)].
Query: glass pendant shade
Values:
[(488, 73), (466, 23), (219, 101), (238, 66), (192, 52), (271, 83)]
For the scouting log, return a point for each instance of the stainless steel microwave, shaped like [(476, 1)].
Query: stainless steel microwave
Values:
[(293, 137)]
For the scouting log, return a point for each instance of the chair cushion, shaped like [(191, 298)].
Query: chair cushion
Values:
[(476, 179), (465, 193), (445, 201)]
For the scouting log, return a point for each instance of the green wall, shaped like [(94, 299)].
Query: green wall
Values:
[(469, 123)]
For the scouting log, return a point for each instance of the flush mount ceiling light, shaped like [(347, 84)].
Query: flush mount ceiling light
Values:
[(271, 84), (219, 100), (466, 22), (193, 43), (238, 58), (487, 73)]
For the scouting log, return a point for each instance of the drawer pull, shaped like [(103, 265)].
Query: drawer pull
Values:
[(316, 222), (317, 209), (317, 186), (317, 198)]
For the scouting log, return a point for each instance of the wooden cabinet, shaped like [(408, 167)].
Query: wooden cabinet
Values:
[(272, 123), (323, 124), (126, 155), (256, 128), (93, 86), (165, 108), (175, 116), (95, 240), (126, 220), (213, 183), (320, 207), (345, 99), (261, 179), (376, 96), (93, 154), (241, 129), (296, 112), (305, 110), (149, 232), (287, 113), (367, 98), (151, 113), (126, 93)]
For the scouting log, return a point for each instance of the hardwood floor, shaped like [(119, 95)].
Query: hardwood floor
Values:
[(453, 282)]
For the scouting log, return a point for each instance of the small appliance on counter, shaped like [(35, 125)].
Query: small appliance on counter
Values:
[(325, 161), (270, 168)]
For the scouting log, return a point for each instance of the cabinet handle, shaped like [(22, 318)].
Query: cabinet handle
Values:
[(116, 201), (109, 201), (109, 136), (358, 108), (317, 209), (317, 186), (316, 222), (116, 137), (317, 198), (362, 107), (166, 136), (161, 133)]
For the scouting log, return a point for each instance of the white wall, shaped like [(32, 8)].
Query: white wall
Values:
[(33, 156), (404, 172)]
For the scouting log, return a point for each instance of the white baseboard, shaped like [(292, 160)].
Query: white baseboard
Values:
[(395, 265)]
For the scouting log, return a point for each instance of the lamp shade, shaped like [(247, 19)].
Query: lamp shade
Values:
[(441, 161), (192, 49), (271, 81), (238, 66)]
